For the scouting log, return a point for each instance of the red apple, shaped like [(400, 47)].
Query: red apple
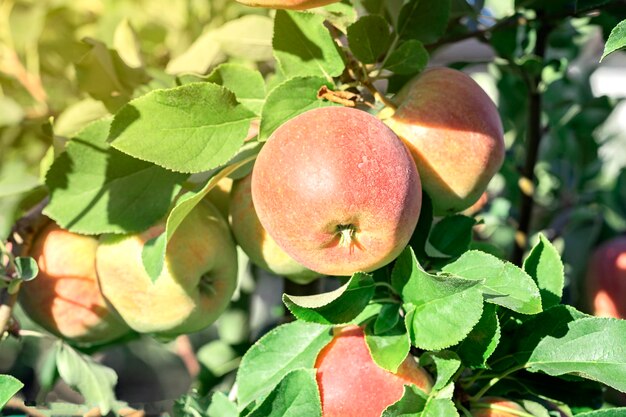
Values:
[(287, 4), (337, 190), (65, 298), (352, 385), (496, 407), (454, 133), (606, 279), (256, 242)]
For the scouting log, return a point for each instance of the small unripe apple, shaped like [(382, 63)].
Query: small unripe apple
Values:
[(194, 287), (65, 298), (287, 4), (256, 242), (352, 385), (497, 407), (337, 190), (606, 279), (454, 133)]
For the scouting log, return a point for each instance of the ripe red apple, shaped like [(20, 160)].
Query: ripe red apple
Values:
[(454, 133), (337, 190), (65, 298), (606, 279), (496, 407), (195, 286), (256, 242), (352, 385), (287, 4)]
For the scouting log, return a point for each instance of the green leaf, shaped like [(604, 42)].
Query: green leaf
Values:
[(153, 253), (411, 404), (105, 76), (387, 319), (296, 395), (192, 128), (9, 386), (247, 84), (221, 406), (452, 235), (95, 382), (340, 14), (593, 348), (248, 38), (607, 412), (409, 58), (96, 189), (545, 267), (424, 20), (286, 348), (369, 38), (616, 41), (504, 283), (26, 268), (304, 47), (218, 357), (444, 309), (336, 307), (289, 99), (422, 230), (446, 364), (127, 45), (202, 55), (388, 349), (440, 407), (482, 341)]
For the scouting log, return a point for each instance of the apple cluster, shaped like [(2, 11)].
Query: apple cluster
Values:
[(94, 291), (334, 191), (340, 190)]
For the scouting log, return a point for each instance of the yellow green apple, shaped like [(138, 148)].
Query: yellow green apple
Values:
[(497, 407), (256, 242), (195, 286)]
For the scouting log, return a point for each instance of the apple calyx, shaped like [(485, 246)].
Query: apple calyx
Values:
[(206, 284), (347, 236)]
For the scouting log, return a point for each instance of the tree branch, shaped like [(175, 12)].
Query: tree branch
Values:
[(534, 134)]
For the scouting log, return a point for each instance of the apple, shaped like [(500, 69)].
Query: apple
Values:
[(337, 190), (497, 407), (352, 385), (287, 4), (256, 242), (454, 133), (195, 286), (606, 279), (65, 298), (219, 196)]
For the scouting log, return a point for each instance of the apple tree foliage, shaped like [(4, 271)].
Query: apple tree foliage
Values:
[(141, 129)]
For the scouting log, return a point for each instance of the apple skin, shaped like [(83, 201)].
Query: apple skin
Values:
[(256, 242), (219, 196), (352, 385), (454, 133), (499, 402), (65, 298), (195, 286), (606, 279), (337, 190), (287, 4)]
